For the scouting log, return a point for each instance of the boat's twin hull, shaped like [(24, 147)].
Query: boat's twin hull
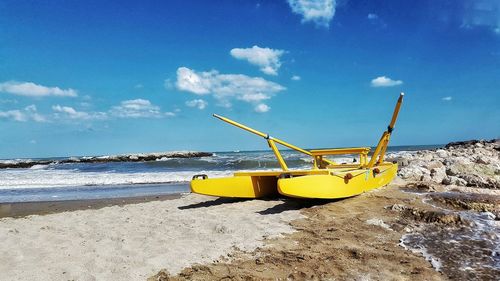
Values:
[(238, 186), (325, 184)]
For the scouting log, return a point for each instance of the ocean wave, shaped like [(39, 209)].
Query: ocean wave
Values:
[(38, 167), (230, 162), (161, 170), (40, 178)]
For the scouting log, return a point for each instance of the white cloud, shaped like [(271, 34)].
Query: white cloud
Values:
[(139, 86), (28, 113), (15, 115), (226, 87), (254, 97), (320, 12), (71, 113), (383, 81), (266, 58), (31, 108), (448, 98), (199, 103), (138, 108), (33, 114), (198, 83), (296, 78), (30, 89), (261, 108), (372, 16)]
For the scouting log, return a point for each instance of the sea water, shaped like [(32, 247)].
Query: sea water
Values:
[(70, 181)]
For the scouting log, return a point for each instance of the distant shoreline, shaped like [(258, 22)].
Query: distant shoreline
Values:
[(136, 157)]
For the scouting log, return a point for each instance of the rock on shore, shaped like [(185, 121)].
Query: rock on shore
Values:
[(469, 163), (137, 157)]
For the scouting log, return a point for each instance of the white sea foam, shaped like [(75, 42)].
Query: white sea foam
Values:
[(435, 262), (45, 178)]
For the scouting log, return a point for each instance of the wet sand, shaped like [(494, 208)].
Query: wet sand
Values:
[(22, 209)]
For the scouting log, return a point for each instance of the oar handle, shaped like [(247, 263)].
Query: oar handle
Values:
[(227, 120), (395, 113), (384, 140), (266, 136)]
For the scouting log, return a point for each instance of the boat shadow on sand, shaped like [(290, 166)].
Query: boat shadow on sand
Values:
[(212, 203), (291, 204), (287, 204)]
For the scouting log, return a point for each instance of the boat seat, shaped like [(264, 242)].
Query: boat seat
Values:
[(318, 154)]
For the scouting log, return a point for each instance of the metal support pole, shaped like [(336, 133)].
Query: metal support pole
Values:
[(266, 136), (277, 154), (384, 140)]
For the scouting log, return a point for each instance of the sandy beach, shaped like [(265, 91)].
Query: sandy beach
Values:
[(135, 241), (438, 221)]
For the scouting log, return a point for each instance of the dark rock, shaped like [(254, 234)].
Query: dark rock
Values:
[(104, 159), (478, 181), (469, 143)]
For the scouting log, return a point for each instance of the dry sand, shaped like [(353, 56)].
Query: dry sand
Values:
[(352, 239), (133, 242), (369, 237)]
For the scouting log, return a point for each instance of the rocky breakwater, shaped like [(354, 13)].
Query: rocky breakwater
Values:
[(136, 157), (473, 163)]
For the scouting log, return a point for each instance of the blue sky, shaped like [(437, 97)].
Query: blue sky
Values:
[(97, 77)]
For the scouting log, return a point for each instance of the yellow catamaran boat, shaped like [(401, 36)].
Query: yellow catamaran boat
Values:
[(326, 179)]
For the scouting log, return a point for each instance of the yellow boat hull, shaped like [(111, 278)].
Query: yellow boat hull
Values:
[(236, 187), (324, 183), (336, 185)]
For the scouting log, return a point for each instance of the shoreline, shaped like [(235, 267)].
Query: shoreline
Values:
[(87, 193), (23, 209)]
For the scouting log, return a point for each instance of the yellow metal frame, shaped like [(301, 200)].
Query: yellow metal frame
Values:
[(318, 155), (319, 162), (277, 153), (326, 179), (386, 136), (271, 141)]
